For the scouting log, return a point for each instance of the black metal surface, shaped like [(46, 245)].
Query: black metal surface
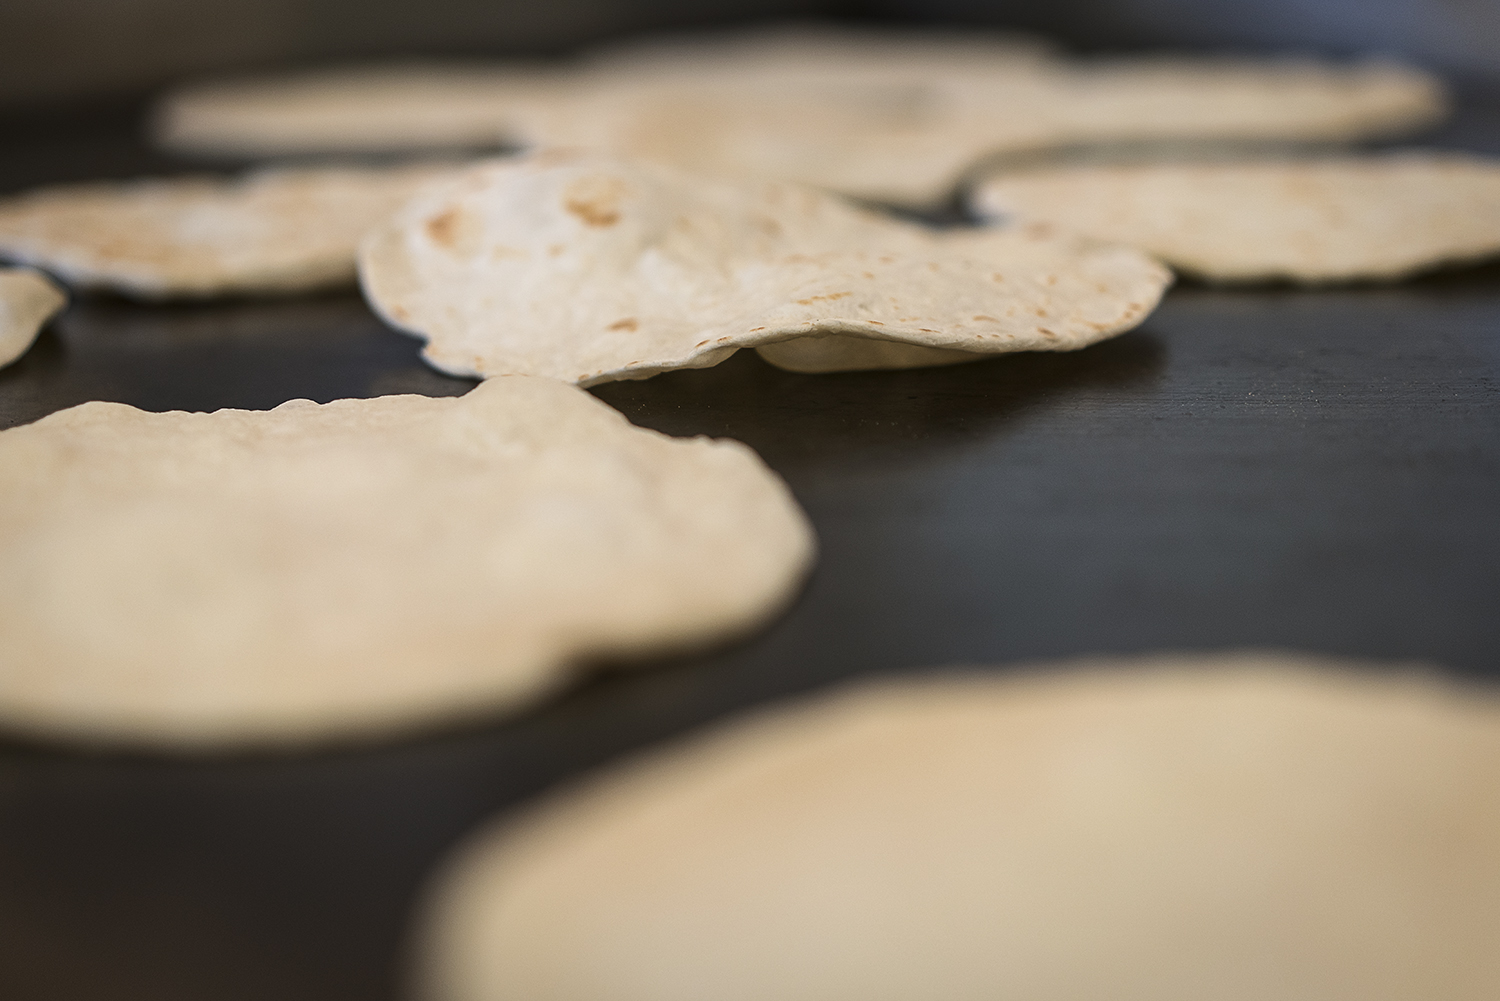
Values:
[(1271, 467)]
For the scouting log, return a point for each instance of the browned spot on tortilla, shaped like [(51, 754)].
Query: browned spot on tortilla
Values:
[(721, 340), (928, 330), (887, 259), (752, 330), (629, 323), (592, 213), (990, 319), (998, 277), (1041, 312), (443, 228), (400, 313), (932, 266), (555, 249), (1046, 333), (875, 323), (1051, 279), (700, 344), (868, 275), (822, 298), (595, 199)]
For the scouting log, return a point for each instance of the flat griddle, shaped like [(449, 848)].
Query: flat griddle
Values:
[(1268, 467)]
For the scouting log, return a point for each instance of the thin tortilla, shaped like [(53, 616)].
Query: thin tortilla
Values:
[(28, 299), (1237, 827), (319, 572), (1333, 219), (268, 232), (589, 269)]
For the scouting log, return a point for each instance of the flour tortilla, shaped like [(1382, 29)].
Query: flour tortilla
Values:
[(318, 572), (589, 269), (1331, 219), (1238, 827), (27, 301), (269, 232), (370, 108), (908, 133)]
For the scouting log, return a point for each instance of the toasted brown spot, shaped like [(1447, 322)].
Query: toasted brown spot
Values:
[(1041, 312), (752, 330), (629, 323), (887, 259), (592, 213), (443, 229), (555, 249), (400, 313), (1051, 279), (928, 330), (867, 274), (876, 323), (823, 298), (700, 344), (998, 277), (721, 340), (595, 200), (932, 266), (988, 319), (1046, 333)]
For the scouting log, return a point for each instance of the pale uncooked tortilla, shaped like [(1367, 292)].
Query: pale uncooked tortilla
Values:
[(316, 572), (589, 269), (396, 106), (1227, 827), (27, 301), (1335, 219), (274, 231)]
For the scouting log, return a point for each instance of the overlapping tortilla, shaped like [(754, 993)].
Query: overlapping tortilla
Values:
[(589, 269), (269, 232), (1236, 827), (1330, 219), (319, 572)]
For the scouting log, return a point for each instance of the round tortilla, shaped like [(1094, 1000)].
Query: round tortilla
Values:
[(269, 232), (1334, 219), (589, 269), (1239, 827), (358, 109), (28, 299), (315, 572)]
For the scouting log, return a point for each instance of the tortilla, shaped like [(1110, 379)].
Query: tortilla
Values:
[(320, 572), (269, 232), (1335, 219), (908, 135), (1238, 827), (589, 269), (371, 108), (27, 301)]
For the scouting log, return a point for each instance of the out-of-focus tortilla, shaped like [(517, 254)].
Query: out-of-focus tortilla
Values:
[(1329, 219), (28, 299)]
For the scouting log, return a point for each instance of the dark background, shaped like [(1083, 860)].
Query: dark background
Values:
[(55, 49), (1262, 467)]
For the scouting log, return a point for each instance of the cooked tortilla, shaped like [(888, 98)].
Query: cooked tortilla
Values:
[(1238, 827), (28, 299), (314, 573), (1333, 219), (590, 269), (269, 232)]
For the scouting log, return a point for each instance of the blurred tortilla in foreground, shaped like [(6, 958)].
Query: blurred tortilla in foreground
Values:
[(319, 573), (1251, 827)]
